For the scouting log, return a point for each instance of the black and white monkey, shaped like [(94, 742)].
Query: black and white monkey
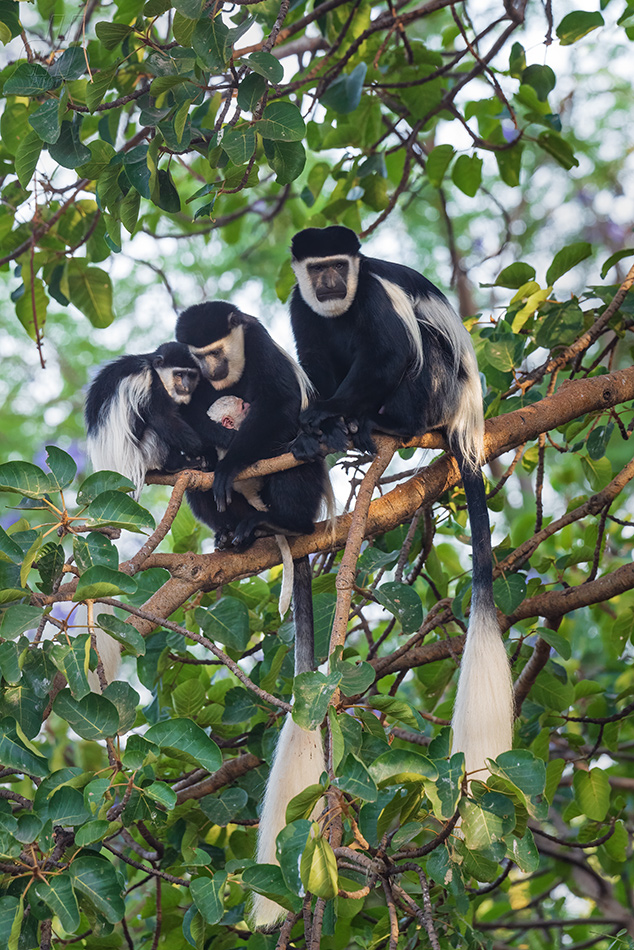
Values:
[(238, 357), (385, 350), (134, 414)]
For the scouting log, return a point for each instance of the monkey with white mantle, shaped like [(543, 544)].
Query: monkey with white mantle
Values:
[(384, 350)]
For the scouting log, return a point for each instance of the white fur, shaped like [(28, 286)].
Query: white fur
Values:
[(483, 711), (306, 388), (298, 763), (404, 308), (114, 447), (467, 423), (288, 571), (327, 308)]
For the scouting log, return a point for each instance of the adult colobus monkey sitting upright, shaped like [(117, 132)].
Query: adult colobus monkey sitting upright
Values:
[(134, 414), (385, 350)]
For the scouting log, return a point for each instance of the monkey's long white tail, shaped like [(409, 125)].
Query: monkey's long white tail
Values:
[(298, 763), (483, 711), (288, 572)]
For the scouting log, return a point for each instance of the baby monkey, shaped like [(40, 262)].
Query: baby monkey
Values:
[(230, 412)]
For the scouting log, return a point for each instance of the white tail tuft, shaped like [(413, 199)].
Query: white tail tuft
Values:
[(288, 571), (298, 763), (483, 711)]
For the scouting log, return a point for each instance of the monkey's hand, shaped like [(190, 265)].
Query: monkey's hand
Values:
[(222, 488)]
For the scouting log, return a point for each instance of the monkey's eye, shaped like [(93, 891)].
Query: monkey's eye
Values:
[(340, 265), (215, 353)]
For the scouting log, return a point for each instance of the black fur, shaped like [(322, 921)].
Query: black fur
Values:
[(269, 384)]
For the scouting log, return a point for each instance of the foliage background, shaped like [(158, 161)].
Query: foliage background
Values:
[(156, 154)]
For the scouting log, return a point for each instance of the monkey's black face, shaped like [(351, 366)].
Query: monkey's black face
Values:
[(328, 284), (179, 381), (185, 381), (222, 362), (330, 280)]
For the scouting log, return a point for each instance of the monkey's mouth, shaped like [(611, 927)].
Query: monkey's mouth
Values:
[(331, 295)]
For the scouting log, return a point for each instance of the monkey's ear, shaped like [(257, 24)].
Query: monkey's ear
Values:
[(158, 361), (238, 319)]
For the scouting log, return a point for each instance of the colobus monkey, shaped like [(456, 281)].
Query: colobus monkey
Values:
[(237, 357), (134, 414), (299, 755), (230, 412), (385, 350)]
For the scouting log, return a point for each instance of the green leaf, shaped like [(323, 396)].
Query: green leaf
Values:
[(13, 754), (182, 738), (208, 896), (95, 877), (541, 78), (250, 91), (26, 157), (239, 144), (34, 298), (90, 289), (344, 94), (402, 765), (125, 699), (223, 809), (592, 793), (523, 769), (71, 659), (355, 677), (523, 851), (227, 622), (62, 466), (161, 793), (30, 79), (556, 641), (560, 150), (402, 601), (281, 121), (267, 879), (287, 159), (290, 845), (438, 162), (111, 34), (614, 259), (509, 592), (313, 692), (355, 779), (466, 174), (122, 632), (70, 65), (577, 24), (100, 482), (191, 9), (93, 717), (100, 581), (92, 831), (69, 151), (318, 868), (98, 86), (266, 65), (10, 19), (116, 509), (567, 258), (211, 41), (101, 154), (18, 619), (303, 805), (397, 709), (515, 275), (25, 479)]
